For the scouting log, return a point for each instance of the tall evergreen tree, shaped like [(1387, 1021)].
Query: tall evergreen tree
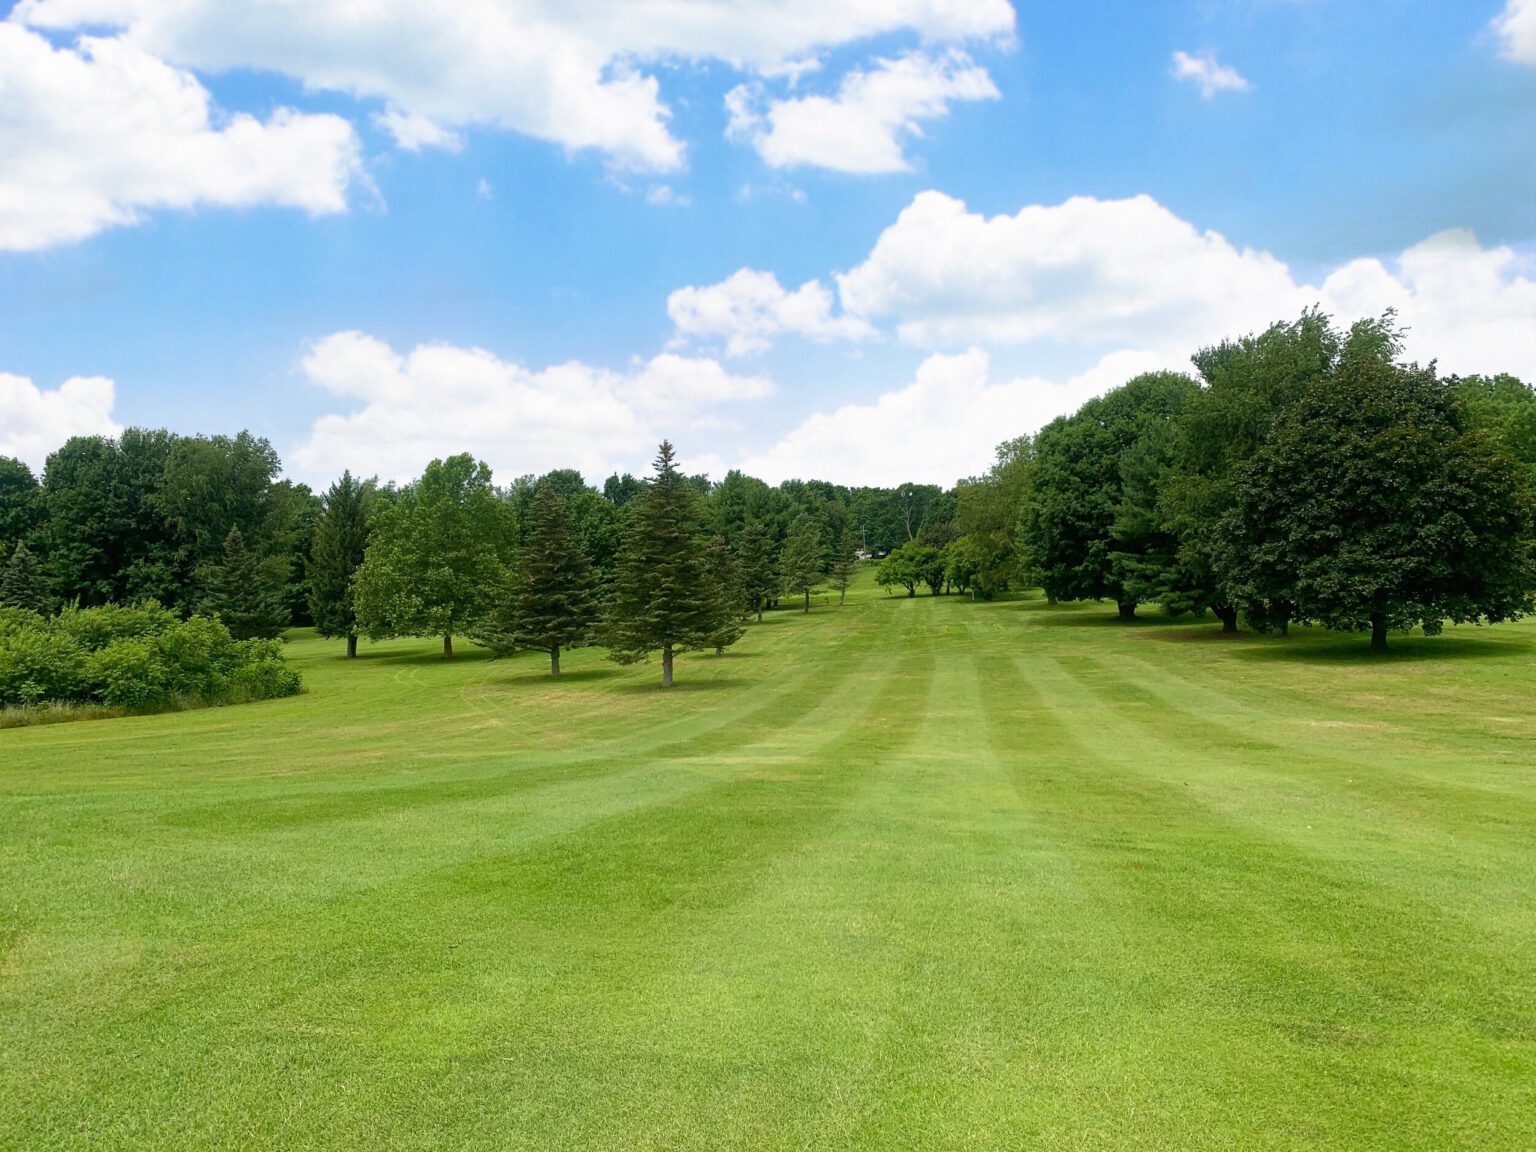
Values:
[(723, 573), (341, 539), (759, 574), (22, 584), (245, 592), (801, 564), (845, 564), (553, 601), (660, 597)]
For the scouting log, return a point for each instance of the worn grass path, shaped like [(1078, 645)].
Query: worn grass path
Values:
[(906, 874)]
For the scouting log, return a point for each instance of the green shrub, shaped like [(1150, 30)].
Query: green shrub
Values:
[(95, 628), (129, 673), (38, 664)]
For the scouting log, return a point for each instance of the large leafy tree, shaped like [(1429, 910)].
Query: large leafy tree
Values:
[(245, 591), (340, 542), (802, 565), (22, 584), (660, 597), (1374, 506), (759, 567), (1076, 490), (1505, 406), (21, 504), (437, 555), (553, 597)]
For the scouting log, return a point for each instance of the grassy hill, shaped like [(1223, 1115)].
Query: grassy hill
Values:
[(906, 874)]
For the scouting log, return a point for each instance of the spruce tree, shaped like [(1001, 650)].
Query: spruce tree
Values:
[(341, 538), (245, 592), (660, 597), (22, 584), (846, 564), (553, 601), (759, 574), (801, 564), (723, 573)]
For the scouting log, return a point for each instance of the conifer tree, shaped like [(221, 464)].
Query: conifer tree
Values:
[(341, 539), (553, 601), (245, 592), (723, 574), (846, 564), (801, 564), (660, 597), (759, 574), (22, 584)]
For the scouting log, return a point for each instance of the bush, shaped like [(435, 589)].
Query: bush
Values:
[(129, 673), (37, 664), (95, 628)]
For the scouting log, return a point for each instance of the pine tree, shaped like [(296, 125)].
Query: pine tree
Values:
[(553, 601), (341, 538), (801, 564), (22, 584), (759, 575), (245, 592), (660, 597), (723, 573), (846, 564)]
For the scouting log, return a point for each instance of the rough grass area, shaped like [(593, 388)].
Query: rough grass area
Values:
[(906, 874)]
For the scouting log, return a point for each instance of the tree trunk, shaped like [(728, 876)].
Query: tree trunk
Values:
[(719, 649), (554, 661), (447, 645), (807, 599), (842, 594), (1378, 632), (759, 611), (1127, 610), (1228, 617), (352, 646), (666, 666)]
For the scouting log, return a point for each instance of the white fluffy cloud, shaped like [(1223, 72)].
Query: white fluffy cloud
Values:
[(1515, 27), (864, 127), (34, 422), (566, 71), (90, 137), (941, 427), (750, 308), (1211, 77), (437, 400)]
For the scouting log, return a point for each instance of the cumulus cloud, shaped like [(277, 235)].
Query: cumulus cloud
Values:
[(1209, 76), (34, 422), (750, 308), (566, 71), (1515, 27), (864, 127), (939, 428), (93, 136), (438, 399)]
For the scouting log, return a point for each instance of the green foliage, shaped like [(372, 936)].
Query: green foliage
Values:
[(437, 556), (723, 578), (1372, 506), (802, 564), (553, 598), (139, 657), (845, 564), (910, 565), (759, 567), (340, 542), (21, 504), (245, 591), (660, 597), (1503, 406), (22, 584)]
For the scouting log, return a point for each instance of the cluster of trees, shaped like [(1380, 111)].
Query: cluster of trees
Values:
[(137, 657), (1309, 475)]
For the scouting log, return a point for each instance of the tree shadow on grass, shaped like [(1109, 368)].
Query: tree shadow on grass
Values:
[(1355, 649), (420, 657), (683, 686)]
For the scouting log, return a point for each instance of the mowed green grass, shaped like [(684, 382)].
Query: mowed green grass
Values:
[(903, 874)]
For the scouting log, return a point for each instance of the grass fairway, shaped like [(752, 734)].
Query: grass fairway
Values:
[(906, 874)]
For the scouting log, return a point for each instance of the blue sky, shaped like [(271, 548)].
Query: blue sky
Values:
[(859, 241)]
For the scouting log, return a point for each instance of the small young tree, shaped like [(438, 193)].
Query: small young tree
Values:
[(1371, 506), (341, 541), (801, 564), (759, 573), (723, 574), (900, 570), (845, 565), (554, 597), (245, 591), (436, 557), (22, 584), (660, 598)]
